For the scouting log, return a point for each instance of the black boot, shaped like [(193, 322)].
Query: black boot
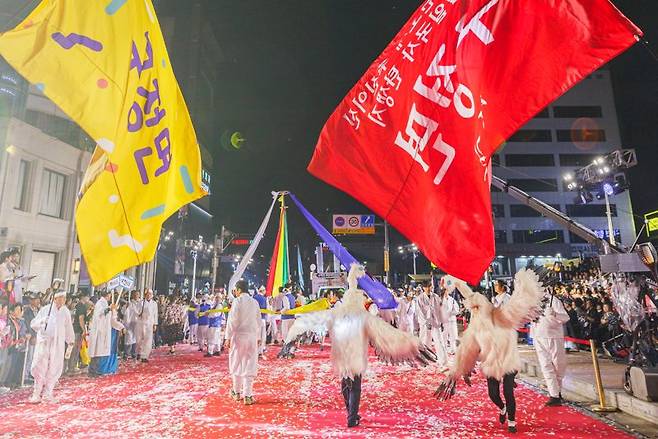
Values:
[(553, 402)]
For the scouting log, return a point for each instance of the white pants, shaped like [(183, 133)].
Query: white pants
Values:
[(144, 340), (425, 334), (285, 327), (263, 336), (193, 331), (202, 335), (439, 346), (47, 367), (451, 335), (553, 362), (276, 330), (243, 385), (214, 339), (243, 362)]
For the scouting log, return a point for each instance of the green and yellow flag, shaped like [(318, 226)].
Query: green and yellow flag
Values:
[(105, 64)]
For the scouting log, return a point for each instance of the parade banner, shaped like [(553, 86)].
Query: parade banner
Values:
[(413, 139), (249, 254), (375, 289), (106, 66)]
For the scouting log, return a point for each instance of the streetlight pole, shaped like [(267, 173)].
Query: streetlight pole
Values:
[(415, 254), (194, 256), (608, 212)]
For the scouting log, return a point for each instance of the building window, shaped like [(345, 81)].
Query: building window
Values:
[(538, 236), (501, 236), (576, 111), (531, 136), (498, 210), (590, 210), (523, 211), (601, 233), (584, 135), (42, 264), (22, 190), (543, 114), (529, 160), (52, 194), (534, 184), (576, 159)]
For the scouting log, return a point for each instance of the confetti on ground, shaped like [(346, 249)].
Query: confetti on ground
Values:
[(186, 396)]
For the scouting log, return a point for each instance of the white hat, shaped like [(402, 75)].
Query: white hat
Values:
[(59, 294)]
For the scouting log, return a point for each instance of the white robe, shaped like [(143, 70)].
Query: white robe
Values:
[(243, 330), (548, 335), (129, 321), (146, 317), (451, 310), (438, 321), (102, 323), (405, 315), (49, 351), (422, 312)]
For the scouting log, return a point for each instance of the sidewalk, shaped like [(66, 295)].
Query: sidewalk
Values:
[(580, 381)]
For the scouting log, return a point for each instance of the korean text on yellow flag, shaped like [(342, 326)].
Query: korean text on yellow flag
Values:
[(104, 63)]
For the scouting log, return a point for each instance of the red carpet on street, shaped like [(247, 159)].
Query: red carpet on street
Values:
[(186, 395)]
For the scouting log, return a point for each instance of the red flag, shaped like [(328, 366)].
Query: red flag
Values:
[(413, 139)]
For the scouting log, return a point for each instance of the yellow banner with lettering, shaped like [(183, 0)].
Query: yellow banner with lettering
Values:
[(105, 64)]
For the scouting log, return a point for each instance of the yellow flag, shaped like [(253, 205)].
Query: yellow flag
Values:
[(105, 64)]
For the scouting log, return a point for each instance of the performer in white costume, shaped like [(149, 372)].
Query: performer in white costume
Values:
[(103, 321), (215, 317), (422, 311), (405, 313), (352, 329), (548, 336), (438, 320), (54, 330), (491, 337), (146, 321), (451, 310), (243, 331), (129, 321)]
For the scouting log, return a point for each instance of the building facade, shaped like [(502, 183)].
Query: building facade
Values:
[(42, 160), (569, 134)]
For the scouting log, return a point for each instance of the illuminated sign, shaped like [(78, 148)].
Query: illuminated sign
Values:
[(205, 180), (651, 219)]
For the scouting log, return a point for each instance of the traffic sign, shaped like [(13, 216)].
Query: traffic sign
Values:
[(353, 224)]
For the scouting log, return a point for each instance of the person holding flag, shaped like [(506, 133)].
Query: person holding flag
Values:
[(103, 336), (55, 340)]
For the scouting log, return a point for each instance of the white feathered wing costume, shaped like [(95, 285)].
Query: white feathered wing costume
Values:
[(491, 335), (352, 328)]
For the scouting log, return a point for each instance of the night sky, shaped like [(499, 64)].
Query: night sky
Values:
[(289, 63)]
